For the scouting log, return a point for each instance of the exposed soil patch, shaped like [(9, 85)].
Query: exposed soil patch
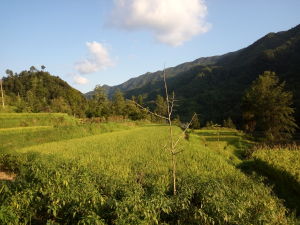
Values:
[(7, 176)]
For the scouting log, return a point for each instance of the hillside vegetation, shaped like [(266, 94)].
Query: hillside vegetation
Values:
[(39, 91), (214, 86)]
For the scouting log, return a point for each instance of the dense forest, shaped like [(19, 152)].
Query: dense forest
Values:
[(38, 91), (214, 86)]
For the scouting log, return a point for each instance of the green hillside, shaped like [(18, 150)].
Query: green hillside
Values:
[(38, 91), (214, 86)]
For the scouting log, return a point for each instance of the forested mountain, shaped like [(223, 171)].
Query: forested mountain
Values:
[(214, 86), (38, 91)]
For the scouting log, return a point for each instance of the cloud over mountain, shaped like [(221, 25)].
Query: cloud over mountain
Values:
[(171, 21), (98, 59), (80, 80)]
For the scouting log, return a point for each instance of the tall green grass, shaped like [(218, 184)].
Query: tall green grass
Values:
[(15, 138), (125, 178), (281, 167), (282, 158), (8, 120)]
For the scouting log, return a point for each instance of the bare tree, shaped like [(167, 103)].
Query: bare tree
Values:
[(173, 141), (2, 94)]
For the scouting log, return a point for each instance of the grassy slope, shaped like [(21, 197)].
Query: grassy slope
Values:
[(9, 120), (16, 138), (124, 177), (18, 130)]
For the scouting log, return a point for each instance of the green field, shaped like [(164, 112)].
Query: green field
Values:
[(119, 173)]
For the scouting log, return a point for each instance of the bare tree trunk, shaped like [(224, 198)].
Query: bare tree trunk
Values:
[(174, 173), (2, 95), (172, 144), (170, 104)]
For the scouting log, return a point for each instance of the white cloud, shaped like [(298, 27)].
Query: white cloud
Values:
[(171, 21), (80, 80), (98, 59)]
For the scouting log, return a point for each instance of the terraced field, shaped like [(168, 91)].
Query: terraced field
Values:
[(287, 160), (280, 166), (8, 120), (121, 174)]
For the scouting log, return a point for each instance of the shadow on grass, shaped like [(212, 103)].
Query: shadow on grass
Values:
[(215, 133), (229, 140), (232, 138), (285, 186)]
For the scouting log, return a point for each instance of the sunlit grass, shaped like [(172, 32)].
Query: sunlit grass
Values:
[(21, 129), (284, 159), (8, 120), (135, 163), (12, 139), (121, 173)]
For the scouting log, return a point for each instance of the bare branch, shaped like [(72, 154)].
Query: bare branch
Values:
[(183, 133), (166, 90), (147, 110), (172, 103), (175, 153)]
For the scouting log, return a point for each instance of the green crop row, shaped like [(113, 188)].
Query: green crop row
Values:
[(13, 139)]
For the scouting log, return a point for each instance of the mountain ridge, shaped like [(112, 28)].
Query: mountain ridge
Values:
[(199, 61), (213, 86)]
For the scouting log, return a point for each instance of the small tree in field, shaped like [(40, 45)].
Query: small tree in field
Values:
[(167, 112), (267, 108)]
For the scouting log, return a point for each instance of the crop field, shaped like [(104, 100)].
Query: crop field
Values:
[(8, 120), (118, 173)]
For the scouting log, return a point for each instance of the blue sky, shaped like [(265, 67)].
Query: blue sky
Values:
[(89, 42)]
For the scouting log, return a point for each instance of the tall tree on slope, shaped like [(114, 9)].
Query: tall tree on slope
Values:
[(267, 108)]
